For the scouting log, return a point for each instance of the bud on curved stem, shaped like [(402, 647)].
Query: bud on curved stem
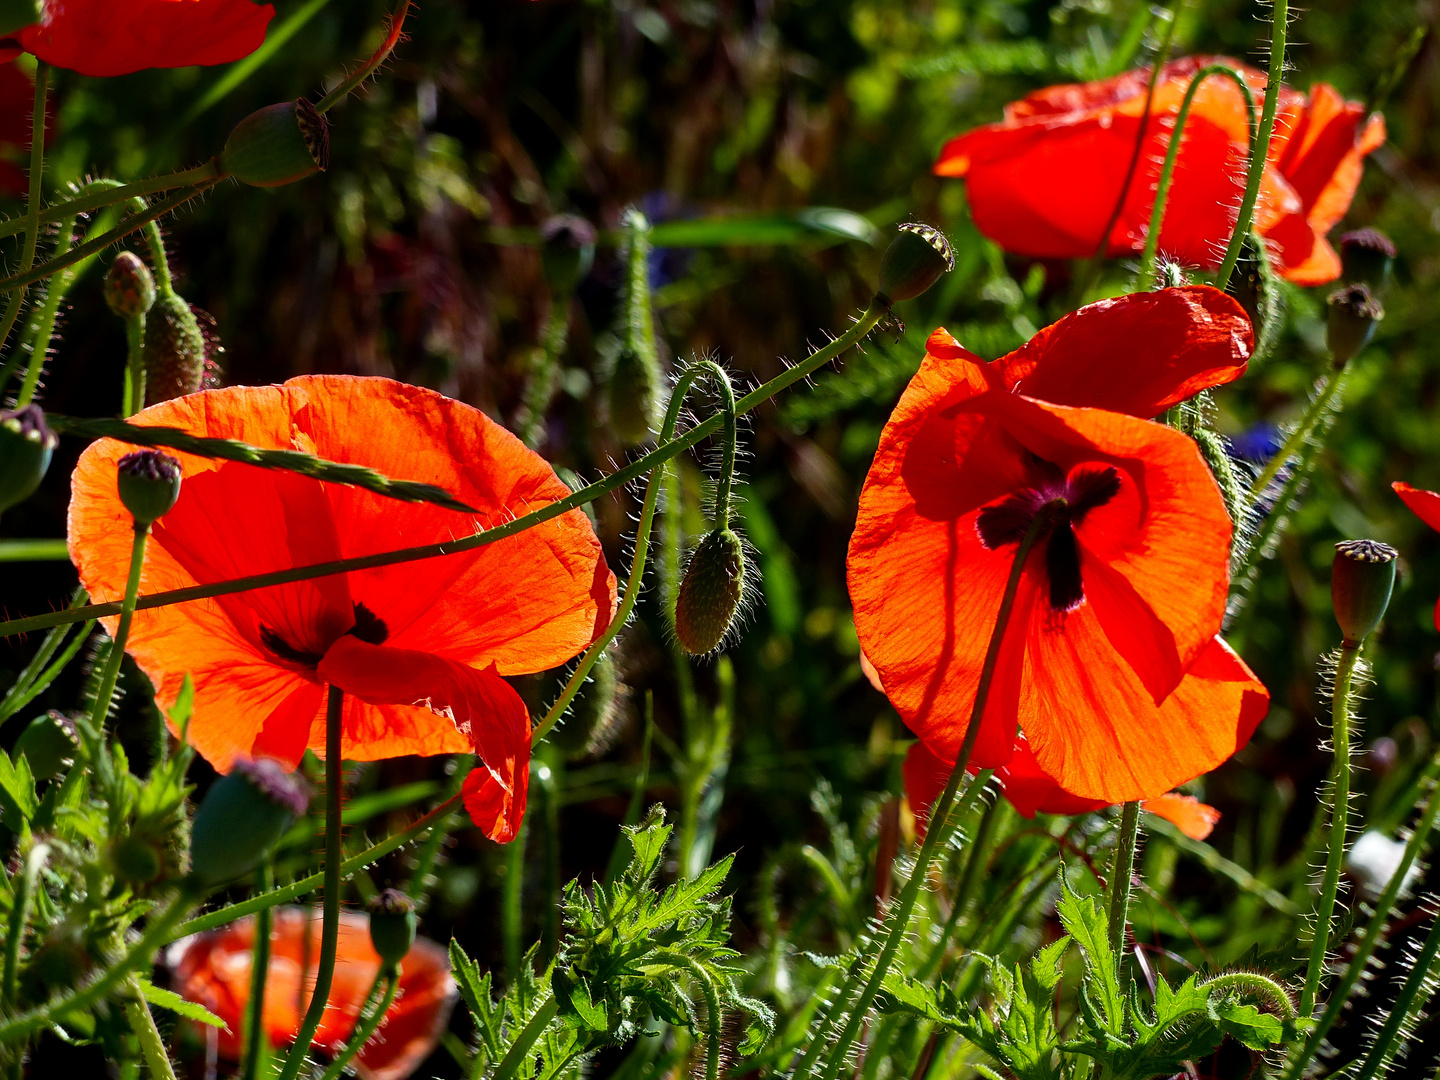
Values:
[(130, 294), (392, 925), (26, 445), (277, 145), (241, 817), (636, 395)]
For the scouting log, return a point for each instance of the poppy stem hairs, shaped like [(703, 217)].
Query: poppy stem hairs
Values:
[(32, 204), (391, 976), (1121, 872)]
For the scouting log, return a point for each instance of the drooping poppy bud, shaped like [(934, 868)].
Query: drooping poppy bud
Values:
[(711, 591), (913, 262), (174, 350), (15, 14), (241, 817), (277, 145), (1366, 255), (49, 744), (568, 252), (1354, 311), (26, 444), (129, 286), (149, 483), (1361, 580), (392, 925)]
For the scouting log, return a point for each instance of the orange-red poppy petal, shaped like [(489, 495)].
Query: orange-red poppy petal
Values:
[(1187, 813), (1422, 503)]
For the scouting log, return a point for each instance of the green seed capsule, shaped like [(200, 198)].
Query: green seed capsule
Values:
[(710, 592), (913, 262), (277, 145), (1354, 311), (392, 925), (26, 444), (149, 484), (1361, 581), (1366, 256), (634, 397), (129, 286), (242, 816), (567, 253)]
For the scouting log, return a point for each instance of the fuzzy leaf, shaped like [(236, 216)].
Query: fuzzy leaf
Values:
[(1084, 920), (1257, 1030), (18, 799)]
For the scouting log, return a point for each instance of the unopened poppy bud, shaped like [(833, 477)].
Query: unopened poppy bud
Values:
[(634, 398), (149, 483), (129, 286), (1354, 311), (568, 252), (26, 444), (1366, 255), (49, 744), (710, 592), (1361, 580), (241, 817), (913, 262), (277, 145), (174, 350), (15, 14), (392, 925), (1171, 275)]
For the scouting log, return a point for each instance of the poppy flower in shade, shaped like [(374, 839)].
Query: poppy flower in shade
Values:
[(1110, 665), (1045, 181), (1030, 791), (117, 37), (213, 969), (1426, 506), (420, 649)]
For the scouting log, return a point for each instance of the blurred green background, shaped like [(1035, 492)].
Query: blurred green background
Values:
[(413, 257)]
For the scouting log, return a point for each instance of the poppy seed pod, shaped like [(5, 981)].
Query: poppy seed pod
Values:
[(913, 262), (241, 817), (149, 483), (567, 253), (129, 286), (710, 592), (1354, 311), (15, 14), (277, 145), (174, 350), (26, 444), (392, 925), (1367, 255), (1361, 580)]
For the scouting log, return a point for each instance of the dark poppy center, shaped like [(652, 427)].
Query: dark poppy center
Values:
[(1063, 501), (368, 627)]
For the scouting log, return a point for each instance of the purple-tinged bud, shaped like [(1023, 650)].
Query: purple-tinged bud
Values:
[(277, 145), (1361, 581), (392, 925), (567, 253), (710, 592), (241, 817), (129, 286), (149, 483), (1354, 311), (1367, 255), (26, 444), (913, 262)]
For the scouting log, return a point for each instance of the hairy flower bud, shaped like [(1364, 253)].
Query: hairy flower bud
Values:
[(392, 925), (129, 286), (589, 728), (174, 350), (568, 252), (26, 444), (1361, 580), (1366, 256), (149, 483), (1354, 311), (277, 145), (15, 14), (710, 592), (634, 394), (49, 744), (241, 817), (913, 262)]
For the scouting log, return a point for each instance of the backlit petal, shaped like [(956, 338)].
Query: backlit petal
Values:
[(1187, 813)]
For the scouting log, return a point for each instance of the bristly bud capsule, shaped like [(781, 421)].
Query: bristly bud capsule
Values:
[(392, 925), (26, 444), (277, 145), (49, 744), (241, 817), (174, 350), (568, 252), (1361, 580), (1170, 274), (913, 262), (634, 394), (1366, 255), (15, 14), (710, 592), (129, 286), (1354, 311), (149, 484)]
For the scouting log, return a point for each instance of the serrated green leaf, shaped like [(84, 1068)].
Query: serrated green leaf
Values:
[(1045, 967), (1257, 1030), (168, 999), (18, 799), (1084, 920)]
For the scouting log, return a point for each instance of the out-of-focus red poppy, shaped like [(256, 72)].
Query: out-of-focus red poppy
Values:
[(1110, 665), (420, 648), (213, 970), (1426, 506), (17, 95), (1045, 181), (117, 37), (1031, 792)]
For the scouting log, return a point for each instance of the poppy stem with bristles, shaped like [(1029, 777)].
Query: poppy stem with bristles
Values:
[(152, 1044), (391, 977), (1121, 872), (351, 82), (99, 194), (32, 203), (257, 1044), (110, 674), (330, 928)]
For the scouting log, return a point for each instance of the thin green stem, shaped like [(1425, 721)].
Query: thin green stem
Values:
[(1172, 154), (511, 898), (111, 672), (544, 374), (109, 192), (637, 468), (721, 379), (367, 1027), (134, 364), (330, 929), (1382, 1049), (32, 202), (257, 1043), (1122, 870), (142, 1022), (1260, 145), (1316, 411), (1339, 823), (521, 1049), (44, 321), (20, 902), (971, 873), (397, 23)]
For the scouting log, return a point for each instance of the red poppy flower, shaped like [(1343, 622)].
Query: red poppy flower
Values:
[(117, 37), (1426, 506), (1045, 180), (213, 970), (1030, 791), (1110, 665), (419, 648)]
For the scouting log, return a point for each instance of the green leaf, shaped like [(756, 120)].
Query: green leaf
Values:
[(168, 999), (816, 223), (18, 799), (1084, 920), (1257, 1030)]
